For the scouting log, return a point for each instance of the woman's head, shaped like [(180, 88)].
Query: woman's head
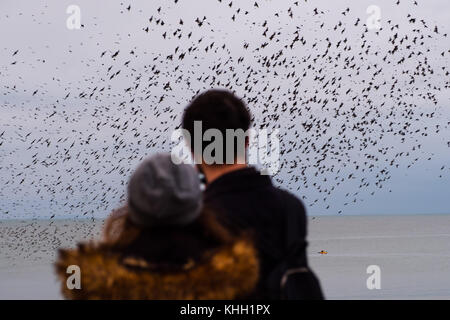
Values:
[(165, 198), (162, 193)]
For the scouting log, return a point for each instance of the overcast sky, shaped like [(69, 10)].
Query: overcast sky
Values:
[(57, 61)]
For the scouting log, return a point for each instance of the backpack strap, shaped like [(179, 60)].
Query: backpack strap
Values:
[(289, 272)]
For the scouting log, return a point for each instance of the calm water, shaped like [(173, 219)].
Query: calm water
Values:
[(412, 252)]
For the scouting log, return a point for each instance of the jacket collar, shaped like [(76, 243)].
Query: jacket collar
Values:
[(237, 181)]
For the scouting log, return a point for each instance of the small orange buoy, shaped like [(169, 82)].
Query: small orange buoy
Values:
[(323, 252)]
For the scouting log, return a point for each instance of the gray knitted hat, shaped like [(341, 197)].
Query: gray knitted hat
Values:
[(163, 193)]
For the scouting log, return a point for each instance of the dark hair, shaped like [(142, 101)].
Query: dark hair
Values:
[(217, 109)]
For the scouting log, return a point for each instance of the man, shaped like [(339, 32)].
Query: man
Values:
[(248, 201)]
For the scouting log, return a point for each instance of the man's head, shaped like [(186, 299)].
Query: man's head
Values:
[(221, 111)]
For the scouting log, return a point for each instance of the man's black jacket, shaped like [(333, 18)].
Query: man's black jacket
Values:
[(245, 200)]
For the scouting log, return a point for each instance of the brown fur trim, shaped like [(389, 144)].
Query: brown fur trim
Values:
[(231, 272)]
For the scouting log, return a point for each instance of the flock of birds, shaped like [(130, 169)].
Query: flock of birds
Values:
[(352, 104)]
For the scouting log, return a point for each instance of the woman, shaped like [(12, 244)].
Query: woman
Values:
[(163, 245)]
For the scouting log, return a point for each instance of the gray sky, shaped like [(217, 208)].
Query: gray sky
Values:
[(59, 156)]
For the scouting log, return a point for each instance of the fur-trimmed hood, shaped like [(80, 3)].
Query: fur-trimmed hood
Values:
[(229, 272)]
